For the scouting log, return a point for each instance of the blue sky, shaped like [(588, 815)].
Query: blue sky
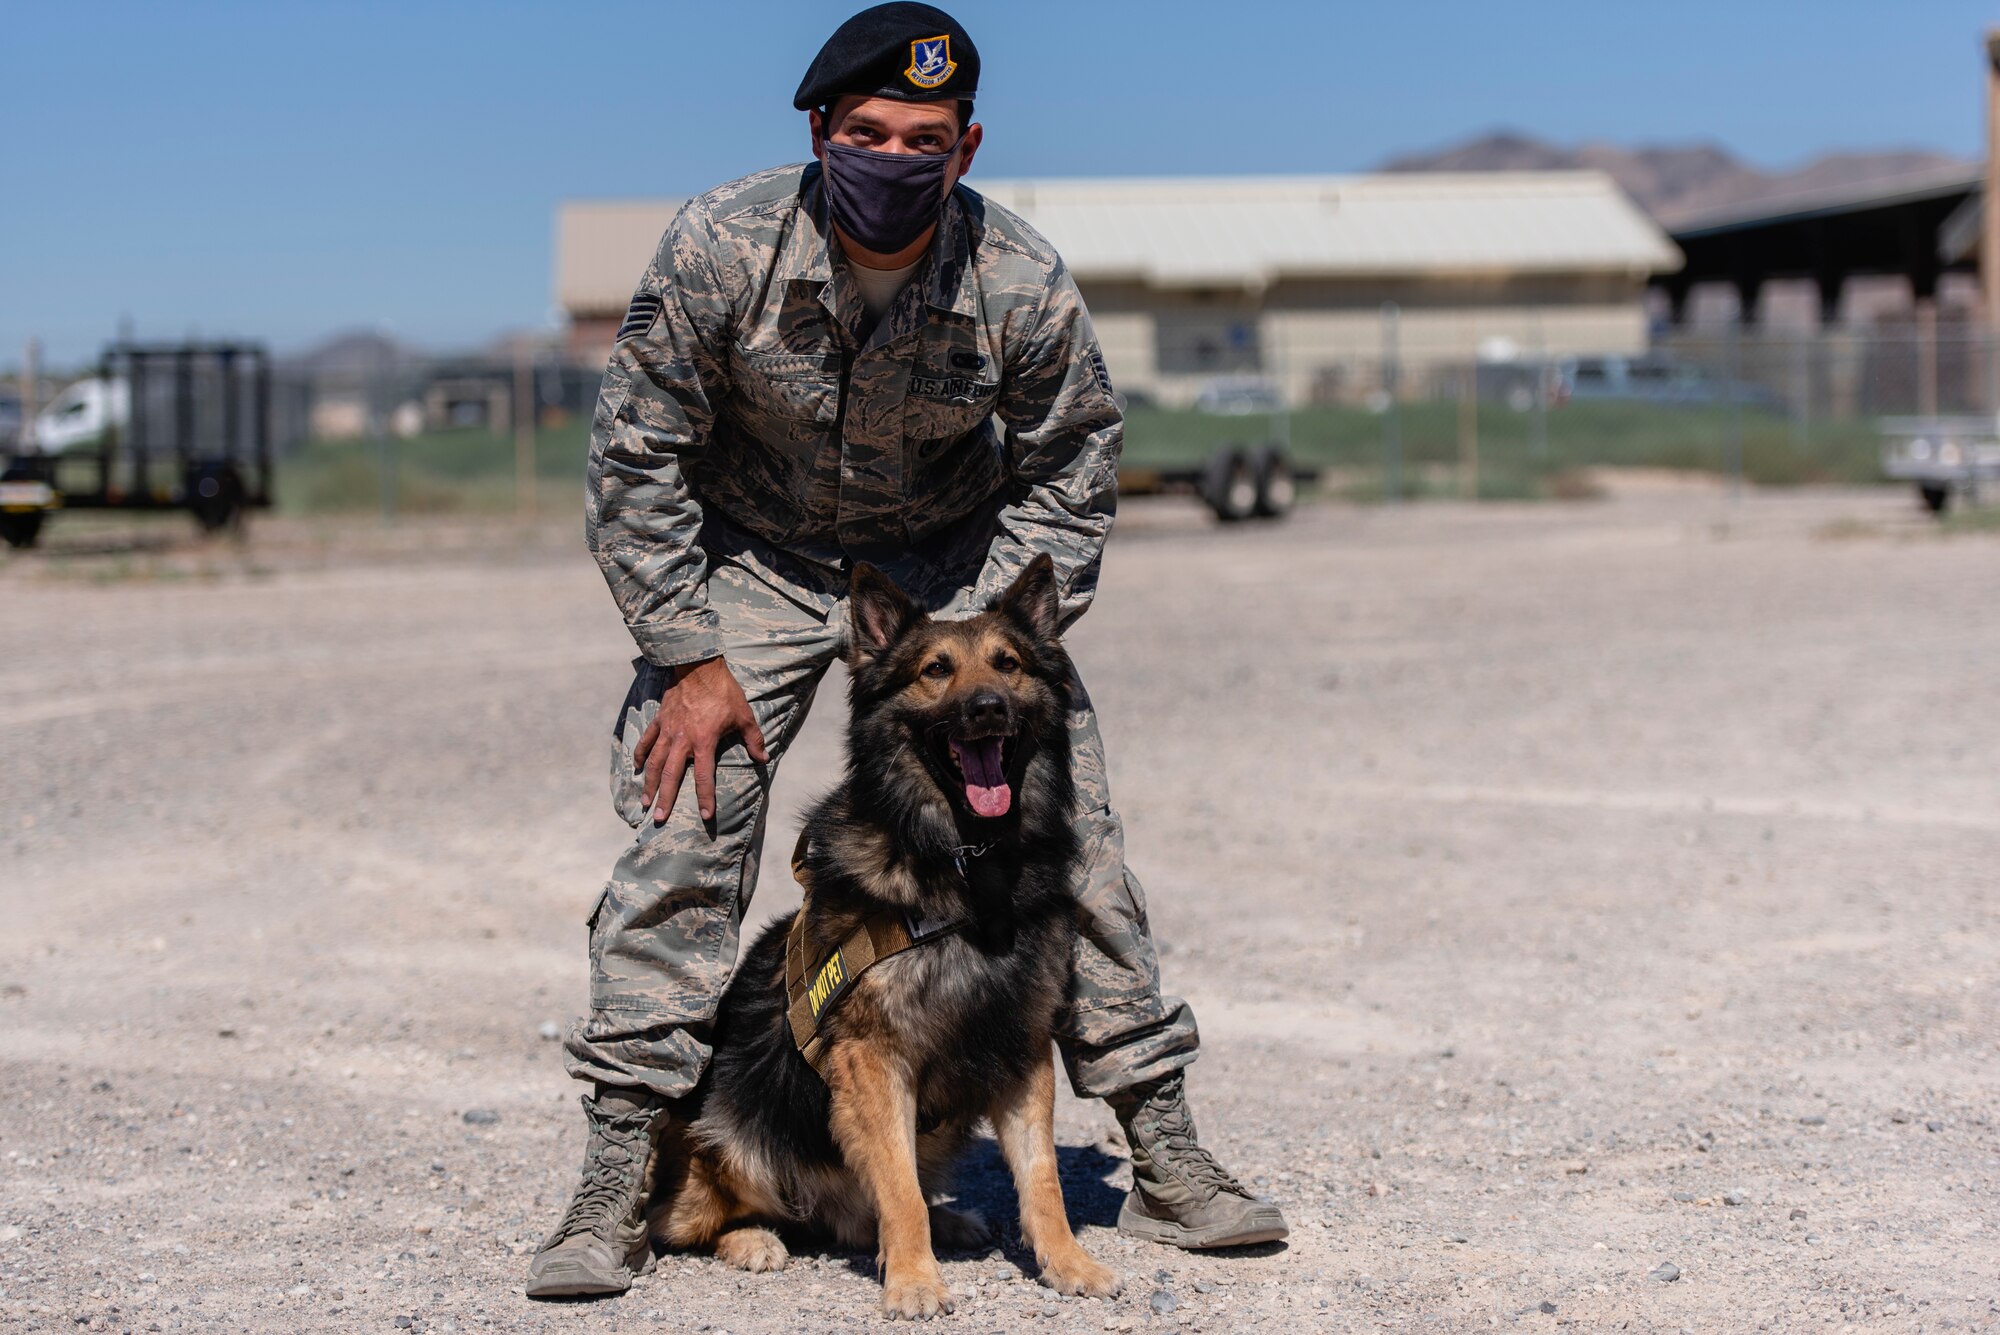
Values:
[(287, 170)]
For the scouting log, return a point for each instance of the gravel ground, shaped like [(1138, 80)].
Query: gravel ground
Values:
[(1590, 911)]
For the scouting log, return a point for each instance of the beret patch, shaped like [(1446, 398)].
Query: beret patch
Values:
[(930, 61), (639, 316)]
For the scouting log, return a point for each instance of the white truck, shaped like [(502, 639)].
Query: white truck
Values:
[(83, 414)]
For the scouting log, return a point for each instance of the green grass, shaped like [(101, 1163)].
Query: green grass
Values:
[(1350, 443), (443, 472), (472, 472)]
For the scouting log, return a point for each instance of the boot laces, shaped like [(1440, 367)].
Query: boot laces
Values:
[(1177, 1150), (611, 1173)]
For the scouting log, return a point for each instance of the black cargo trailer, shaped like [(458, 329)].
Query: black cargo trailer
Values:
[(194, 434)]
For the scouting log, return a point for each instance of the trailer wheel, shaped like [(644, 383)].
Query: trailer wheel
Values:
[(21, 529), (215, 496), (1937, 496), (1275, 488), (1230, 485)]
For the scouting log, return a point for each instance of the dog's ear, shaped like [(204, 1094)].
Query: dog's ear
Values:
[(880, 612), (1032, 599)]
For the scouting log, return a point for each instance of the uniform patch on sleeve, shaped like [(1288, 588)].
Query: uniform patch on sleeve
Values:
[(1097, 369), (639, 316)]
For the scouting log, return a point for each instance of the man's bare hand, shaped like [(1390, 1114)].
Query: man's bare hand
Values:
[(702, 707)]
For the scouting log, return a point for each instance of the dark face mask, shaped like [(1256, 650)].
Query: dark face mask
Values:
[(884, 201)]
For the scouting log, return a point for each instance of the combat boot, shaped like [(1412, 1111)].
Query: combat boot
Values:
[(600, 1246), (1180, 1195)]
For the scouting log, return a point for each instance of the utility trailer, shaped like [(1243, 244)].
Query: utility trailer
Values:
[(195, 435), (1236, 481), (1942, 455)]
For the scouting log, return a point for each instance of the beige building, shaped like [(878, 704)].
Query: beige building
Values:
[(1280, 278), (602, 248)]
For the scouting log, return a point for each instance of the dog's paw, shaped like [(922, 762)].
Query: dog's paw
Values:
[(754, 1249), (958, 1230), (916, 1299), (1080, 1277)]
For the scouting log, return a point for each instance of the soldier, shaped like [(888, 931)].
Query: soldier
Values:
[(810, 375)]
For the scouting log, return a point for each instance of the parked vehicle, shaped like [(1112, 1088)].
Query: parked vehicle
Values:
[(1655, 379), (1239, 396), (1944, 456), (83, 415), (1516, 384)]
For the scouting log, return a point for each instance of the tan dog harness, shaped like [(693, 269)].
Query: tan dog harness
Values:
[(812, 990)]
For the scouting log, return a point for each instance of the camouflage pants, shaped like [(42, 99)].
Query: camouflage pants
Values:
[(663, 935)]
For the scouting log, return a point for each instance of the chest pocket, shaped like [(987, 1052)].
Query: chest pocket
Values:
[(954, 389), (800, 388)]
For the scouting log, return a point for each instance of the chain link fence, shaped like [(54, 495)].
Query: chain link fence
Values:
[(1764, 408), (418, 436), (1755, 407)]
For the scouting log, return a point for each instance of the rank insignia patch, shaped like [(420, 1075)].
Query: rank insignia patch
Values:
[(1097, 369), (639, 316), (930, 61)]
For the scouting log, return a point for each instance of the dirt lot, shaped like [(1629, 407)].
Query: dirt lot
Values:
[(1564, 892)]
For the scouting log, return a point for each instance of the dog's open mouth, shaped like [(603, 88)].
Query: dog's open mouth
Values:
[(982, 762)]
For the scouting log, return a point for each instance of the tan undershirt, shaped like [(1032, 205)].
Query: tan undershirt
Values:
[(879, 287)]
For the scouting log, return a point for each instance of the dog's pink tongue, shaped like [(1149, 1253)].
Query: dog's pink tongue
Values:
[(985, 783)]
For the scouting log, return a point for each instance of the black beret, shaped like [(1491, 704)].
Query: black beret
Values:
[(914, 52)]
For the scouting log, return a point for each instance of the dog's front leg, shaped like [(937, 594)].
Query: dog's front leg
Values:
[(1024, 1122), (875, 1125)]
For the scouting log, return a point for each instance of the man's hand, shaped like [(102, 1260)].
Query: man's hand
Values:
[(702, 706)]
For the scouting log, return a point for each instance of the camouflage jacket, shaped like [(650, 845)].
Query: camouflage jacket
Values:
[(743, 416)]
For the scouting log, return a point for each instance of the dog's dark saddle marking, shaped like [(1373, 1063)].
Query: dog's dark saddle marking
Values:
[(812, 990)]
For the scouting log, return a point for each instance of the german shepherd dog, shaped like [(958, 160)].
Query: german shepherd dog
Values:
[(957, 803)]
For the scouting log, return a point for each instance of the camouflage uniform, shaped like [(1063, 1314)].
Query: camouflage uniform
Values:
[(753, 439)]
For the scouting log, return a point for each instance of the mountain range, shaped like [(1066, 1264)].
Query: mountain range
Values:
[(1677, 182)]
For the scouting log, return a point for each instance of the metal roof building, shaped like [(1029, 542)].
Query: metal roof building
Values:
[(1189, 279), (1251, 233), (1917, 227)]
